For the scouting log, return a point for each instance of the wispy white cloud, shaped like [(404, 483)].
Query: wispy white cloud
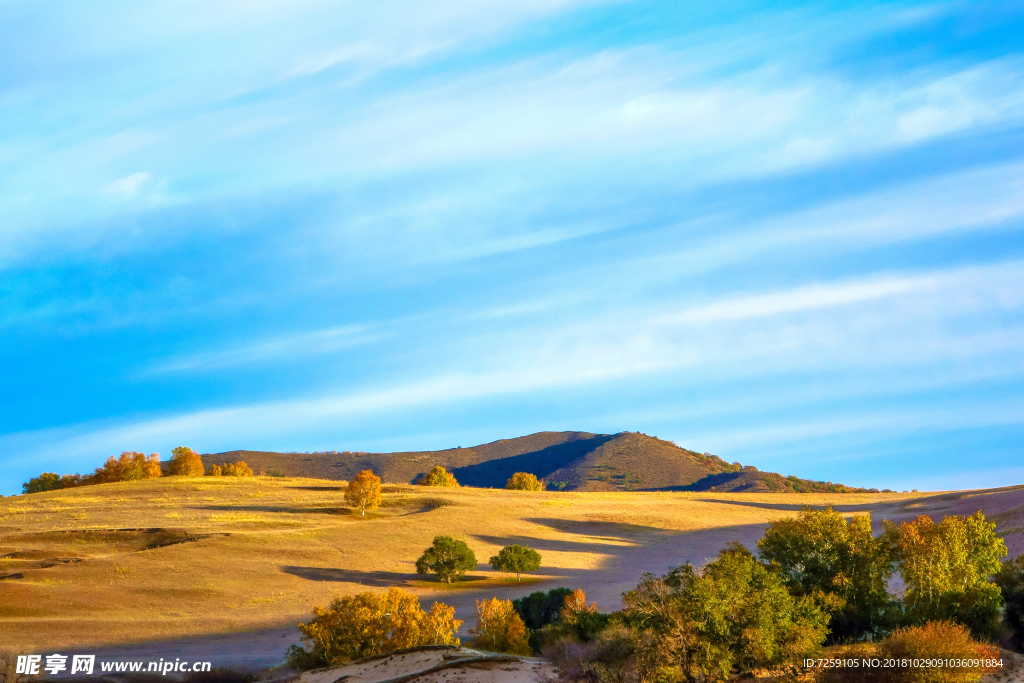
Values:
[(284, 348), (129, 186)]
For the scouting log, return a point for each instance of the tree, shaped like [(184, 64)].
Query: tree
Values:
[(516, 558), (185, 462), (129, 466), (820, 551), (946, 569), (524, 481), (575, 607), (47, 481), (439, 476), (368, 624), (236, 469), (363, 492), (499, 628), (448, 558), (1010, 580), (736, 615), (539, 609)]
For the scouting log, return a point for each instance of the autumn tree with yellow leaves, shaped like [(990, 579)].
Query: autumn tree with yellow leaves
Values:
[(499, 628), (524, 481), (439, 476), (368, 624), (185, 462), (363, 492)]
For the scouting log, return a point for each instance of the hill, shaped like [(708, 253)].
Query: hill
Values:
[(223, 568), (570, 461)]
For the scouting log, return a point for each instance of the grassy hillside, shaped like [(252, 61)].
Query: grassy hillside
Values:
[(570, 461), (176, 557)]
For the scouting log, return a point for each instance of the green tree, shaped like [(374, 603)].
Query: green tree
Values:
[(448, 558), (539, 609), (1010, 579), (363, 492), (736, 615), (524, 481), (946, 569), (516, 558), (820, 551), (185, 462), (368, 624), (439, 476), (47, 481)]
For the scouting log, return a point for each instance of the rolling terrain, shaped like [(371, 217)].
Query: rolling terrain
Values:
[(570, 461), (223, 567)]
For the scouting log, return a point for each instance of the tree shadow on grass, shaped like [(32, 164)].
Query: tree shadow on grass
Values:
[(797, 507), (336, 575)]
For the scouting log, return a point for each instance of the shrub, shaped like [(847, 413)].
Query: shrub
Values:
[(499, 628), (47, 481), (368, 624), (129, 466), (935, 640), (185, 462), (616, 655), (516, 558), (363, 492), (446, 557), (439, 476), (524, 481)]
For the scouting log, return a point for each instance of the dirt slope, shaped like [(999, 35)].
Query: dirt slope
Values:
[(571, 461)]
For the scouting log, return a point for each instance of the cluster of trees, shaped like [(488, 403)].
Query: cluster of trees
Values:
[(817, 579), (368, 624), (449, 559), (133, 465)]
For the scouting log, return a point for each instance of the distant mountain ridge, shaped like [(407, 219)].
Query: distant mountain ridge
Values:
[(570, 461)]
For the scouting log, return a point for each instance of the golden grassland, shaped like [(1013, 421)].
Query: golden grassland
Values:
[(176, 557)]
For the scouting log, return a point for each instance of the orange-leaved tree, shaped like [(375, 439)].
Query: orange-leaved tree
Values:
[(363, 492), (575, 605), (367, 624), (185, 462), (129, 466), (499, 628), (524, 481), (439, 476)]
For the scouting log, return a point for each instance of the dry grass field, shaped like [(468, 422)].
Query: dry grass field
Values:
[(179, 558)]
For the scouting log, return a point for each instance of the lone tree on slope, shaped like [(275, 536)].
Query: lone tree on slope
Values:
[(448, 558), (363, 492), (516, 558), (524, 481), (185, 462), (439, 476)]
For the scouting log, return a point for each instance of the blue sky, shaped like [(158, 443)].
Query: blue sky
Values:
[(788, 234)]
